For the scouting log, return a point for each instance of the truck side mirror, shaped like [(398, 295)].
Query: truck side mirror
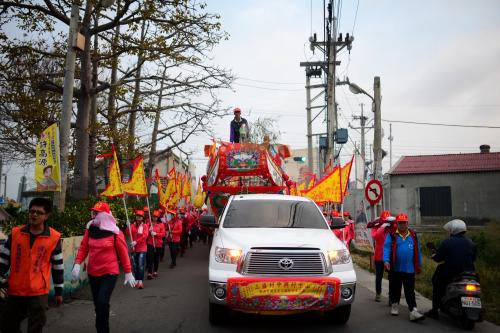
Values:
[(337, 223), (209, 221)]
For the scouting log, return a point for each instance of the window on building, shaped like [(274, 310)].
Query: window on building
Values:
[(435, 201)]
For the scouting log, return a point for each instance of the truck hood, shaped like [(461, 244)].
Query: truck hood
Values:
[(246, 238)]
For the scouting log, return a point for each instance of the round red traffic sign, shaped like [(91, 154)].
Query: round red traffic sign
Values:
[(374, 192)]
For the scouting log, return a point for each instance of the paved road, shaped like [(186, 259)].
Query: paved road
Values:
[(177, 302)]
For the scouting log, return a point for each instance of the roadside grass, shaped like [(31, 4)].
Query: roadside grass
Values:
[(487, 265)]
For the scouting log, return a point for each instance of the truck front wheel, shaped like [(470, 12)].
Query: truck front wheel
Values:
[(217, 314), (340, 315)]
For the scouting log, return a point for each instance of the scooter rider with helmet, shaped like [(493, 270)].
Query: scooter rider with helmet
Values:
[(456, 255)]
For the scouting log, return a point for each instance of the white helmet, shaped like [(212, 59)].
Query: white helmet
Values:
[(455, 227)]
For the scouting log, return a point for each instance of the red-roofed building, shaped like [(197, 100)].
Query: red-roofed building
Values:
[(434, 188)]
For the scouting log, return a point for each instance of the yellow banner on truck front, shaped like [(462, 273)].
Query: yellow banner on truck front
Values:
[(47, 170), (283, 288)]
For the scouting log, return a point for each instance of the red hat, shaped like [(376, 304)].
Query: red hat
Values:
[(385, 214), (101, 207), (237, 110), (401, 218), (156, 213), (325, 213), (335, 213), (139, 212), (346, 213), (146, 209)]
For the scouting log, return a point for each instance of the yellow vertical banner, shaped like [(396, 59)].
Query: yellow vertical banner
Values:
[(137, 183), (114, 187), (47, 168)]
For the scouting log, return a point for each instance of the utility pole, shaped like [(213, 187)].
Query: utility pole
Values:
[(331, 117), (1, 167), (377, 138), (309, 125), (362, 119), (65, 125), (5, 187), (390, 145)]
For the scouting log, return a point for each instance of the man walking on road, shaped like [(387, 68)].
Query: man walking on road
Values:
[(174, 236), (31, 252), (402, 257)]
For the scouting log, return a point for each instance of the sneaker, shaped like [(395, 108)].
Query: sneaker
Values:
[(434, 314), (378, 298), (415, 315), (150, 276), (140, 285), (395, 309), (155, 274)]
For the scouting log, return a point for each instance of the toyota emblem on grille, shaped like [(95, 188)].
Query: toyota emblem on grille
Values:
[(285, 264)]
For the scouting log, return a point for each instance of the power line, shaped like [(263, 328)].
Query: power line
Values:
[(440, 124), (270, 82), (355, 18), (266, 88)]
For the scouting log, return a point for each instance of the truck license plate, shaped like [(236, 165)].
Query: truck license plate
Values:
[(471, 302)]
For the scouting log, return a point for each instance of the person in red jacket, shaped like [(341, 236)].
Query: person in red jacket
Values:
[(104, 244), (139, 246), (184, 235), (349, 228), (174, 232), (156, 231), (379, 229)]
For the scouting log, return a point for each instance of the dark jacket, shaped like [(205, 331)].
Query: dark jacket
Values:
[(457, 253), (235, 130)]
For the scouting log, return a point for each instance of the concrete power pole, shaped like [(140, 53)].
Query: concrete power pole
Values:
[(309, 125), (65, 126), (377, 138), (390, 145), (331, 118)]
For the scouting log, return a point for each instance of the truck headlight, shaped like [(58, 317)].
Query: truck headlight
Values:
[(227, 256), (339, 257)]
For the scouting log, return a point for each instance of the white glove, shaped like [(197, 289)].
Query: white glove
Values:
[(391, 218), (133, 243), (75, 273), (129, 278), (385, 225), (153, 233), (139, 230)]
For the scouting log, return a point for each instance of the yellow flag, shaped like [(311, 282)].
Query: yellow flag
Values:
[(301, 188), (137, 183), (114, 188), (329, 188), (47, 171), (311, 182), (162, 199), (198, 199), (170, 190)]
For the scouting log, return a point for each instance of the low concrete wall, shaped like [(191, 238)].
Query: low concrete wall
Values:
[(70, 247)]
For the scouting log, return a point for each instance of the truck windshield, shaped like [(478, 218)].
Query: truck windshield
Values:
[(273, 214)]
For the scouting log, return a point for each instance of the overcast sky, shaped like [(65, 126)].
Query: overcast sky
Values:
[(439, 62)]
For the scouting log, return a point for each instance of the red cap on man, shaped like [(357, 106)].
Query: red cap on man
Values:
[(156, 213), (146, 209), (400, 218), (384, 215), (237, 110), (335, 213), (139, 212), (347, 214), (101, 207)]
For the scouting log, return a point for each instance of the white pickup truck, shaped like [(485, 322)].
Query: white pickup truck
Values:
[(275, 254)]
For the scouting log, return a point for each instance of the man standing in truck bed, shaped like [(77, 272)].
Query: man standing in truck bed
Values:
[(236, 125)]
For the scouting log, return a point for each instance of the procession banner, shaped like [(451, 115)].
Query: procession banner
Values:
[(47, 168), (114, 187), (137, 183), (282, 295)]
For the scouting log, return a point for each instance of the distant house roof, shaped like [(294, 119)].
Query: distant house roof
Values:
[(449, 163)]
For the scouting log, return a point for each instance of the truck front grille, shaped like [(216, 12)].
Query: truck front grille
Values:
[(284, 263)]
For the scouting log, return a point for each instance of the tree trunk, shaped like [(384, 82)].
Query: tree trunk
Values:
[(135, 98), (80, 188), (93, 115), (152, 153)]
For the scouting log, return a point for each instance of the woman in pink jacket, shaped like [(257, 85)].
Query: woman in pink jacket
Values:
[(104, 243), (156, 231), (139, 246)]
